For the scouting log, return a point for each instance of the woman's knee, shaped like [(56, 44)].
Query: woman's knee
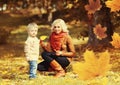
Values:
[(63, 61), (47, 56), (44, 55)]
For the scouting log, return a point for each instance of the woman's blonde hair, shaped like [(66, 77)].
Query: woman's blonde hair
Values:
[(62, 24)]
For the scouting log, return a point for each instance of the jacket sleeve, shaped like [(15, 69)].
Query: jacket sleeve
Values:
[(46, 46), (70, 48)]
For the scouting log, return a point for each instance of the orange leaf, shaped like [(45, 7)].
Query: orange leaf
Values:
[(93, 6), (116, 40), (100, 32), (114, 5)]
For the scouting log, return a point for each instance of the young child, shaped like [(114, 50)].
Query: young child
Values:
[(31, 49)]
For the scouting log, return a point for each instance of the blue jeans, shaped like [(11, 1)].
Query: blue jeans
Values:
[(33, 69)]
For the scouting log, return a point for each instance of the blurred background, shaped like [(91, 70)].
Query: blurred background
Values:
[(16, 14)]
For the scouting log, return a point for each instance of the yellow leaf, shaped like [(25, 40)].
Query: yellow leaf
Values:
[(114, 5), (43, 37), (92, 66), (89, 55), (104, 60), (80, 69)]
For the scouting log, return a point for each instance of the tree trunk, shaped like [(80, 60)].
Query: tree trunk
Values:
[(100, 17)]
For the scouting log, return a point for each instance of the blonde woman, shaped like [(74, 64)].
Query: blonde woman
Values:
[(59, 50)]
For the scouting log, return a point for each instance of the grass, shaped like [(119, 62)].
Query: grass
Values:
[(14, 71), (14, 67)]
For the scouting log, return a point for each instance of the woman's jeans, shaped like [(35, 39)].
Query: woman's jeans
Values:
[(50, 56), (33, 69)]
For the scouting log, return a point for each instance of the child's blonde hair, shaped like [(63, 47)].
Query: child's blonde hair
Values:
[(32, 26), (62, 24)]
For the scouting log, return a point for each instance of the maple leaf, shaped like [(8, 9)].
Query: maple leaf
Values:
[(114, 5), (115, 40), (93, 6), (100, 32), (93, 66), (43, 37)]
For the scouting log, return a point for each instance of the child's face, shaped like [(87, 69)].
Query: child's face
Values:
[(32, 32), (57, 29)]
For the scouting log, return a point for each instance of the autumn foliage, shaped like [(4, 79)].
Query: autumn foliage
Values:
[(114, 5), (93, 66), (93, 6), (116, 40), (99, 31)]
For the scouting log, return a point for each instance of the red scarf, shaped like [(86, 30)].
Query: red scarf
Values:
[(56, 40)]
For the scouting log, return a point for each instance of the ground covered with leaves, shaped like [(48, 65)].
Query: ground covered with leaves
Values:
[(14, 70)]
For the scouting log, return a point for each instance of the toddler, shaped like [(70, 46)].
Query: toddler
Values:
[(31, 49)]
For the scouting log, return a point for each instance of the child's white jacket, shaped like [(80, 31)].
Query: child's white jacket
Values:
[(31, 48)]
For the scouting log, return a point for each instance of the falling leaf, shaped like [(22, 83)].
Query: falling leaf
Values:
[(93, 6), (100, 32), (104, 60), (115, 40), (114, 5), (43, 37), (93, 66)]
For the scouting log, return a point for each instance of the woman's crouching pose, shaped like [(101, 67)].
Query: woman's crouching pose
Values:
[(59, 50)]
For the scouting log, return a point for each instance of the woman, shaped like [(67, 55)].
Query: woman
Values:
[(59, 50)]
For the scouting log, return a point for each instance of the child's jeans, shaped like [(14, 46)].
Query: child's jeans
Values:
[(33, 69)]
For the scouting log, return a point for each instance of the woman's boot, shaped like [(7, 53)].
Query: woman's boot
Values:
[(57, 67)]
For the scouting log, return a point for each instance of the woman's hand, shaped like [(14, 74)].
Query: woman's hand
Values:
[(59, 53)]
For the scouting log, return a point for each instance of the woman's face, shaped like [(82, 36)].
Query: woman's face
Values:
[(57, 29)]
